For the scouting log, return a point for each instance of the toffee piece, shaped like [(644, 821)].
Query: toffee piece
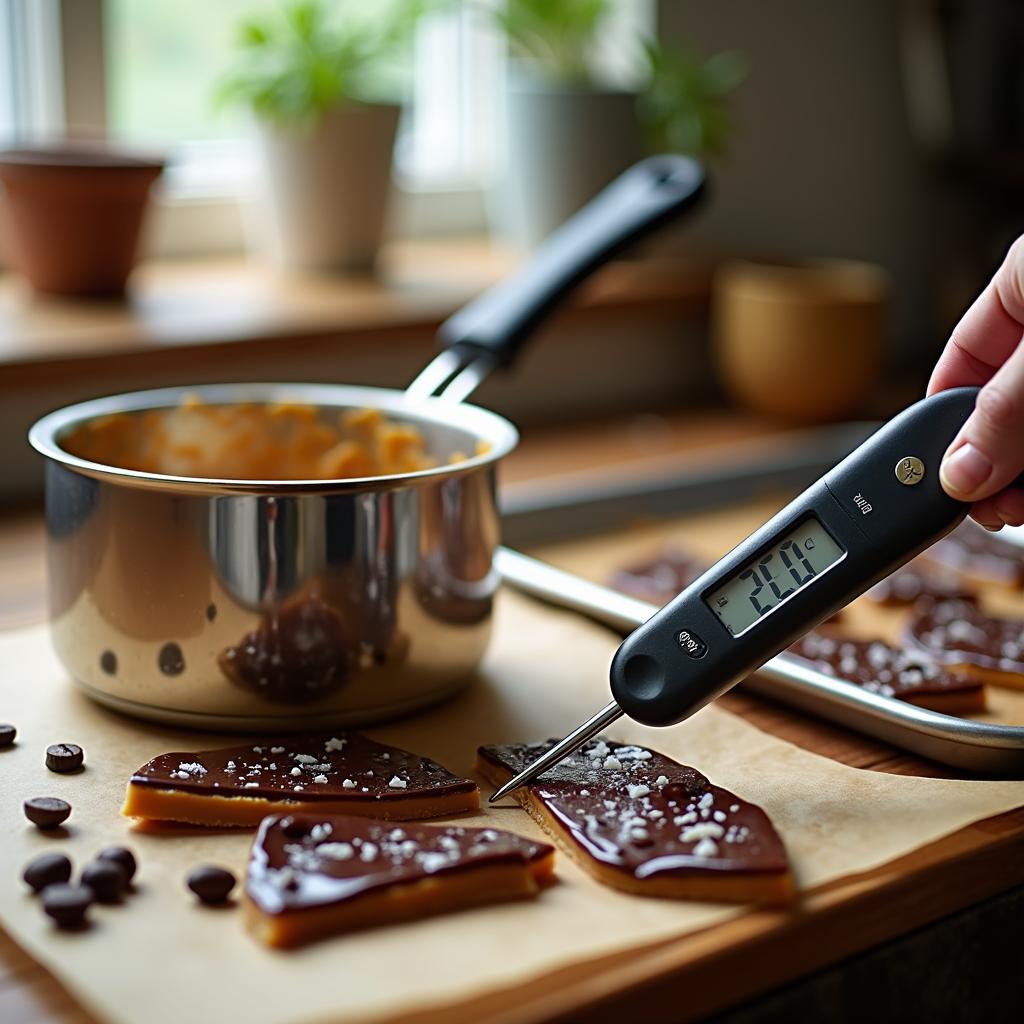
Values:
[(891, 672), (964, 640), (311, 875), (342, 772), (978, 557), (641, 822), (915, 580), (660, 578)]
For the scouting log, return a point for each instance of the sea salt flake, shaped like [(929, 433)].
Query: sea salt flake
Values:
[(334, 744), (320, 778), (305, 758), (277, 750), (701, 831), (272, 766), (661, 780), (706, 801), (296, 771), (368, 852), (584, 792), (230, 765), (431, 861), (638, 790), (734, 808), (251, 785), (320, 831), (192, 768), (397, 783), (719, 816), (336, 851), (612, 762), (705, 848), (348, 784)]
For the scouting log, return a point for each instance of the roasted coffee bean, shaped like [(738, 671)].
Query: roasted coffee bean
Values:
[(64, 757), (67, 904), (49, 869), (47, 811), (7, 734), (211, 884), (123, 856), (106, 879)]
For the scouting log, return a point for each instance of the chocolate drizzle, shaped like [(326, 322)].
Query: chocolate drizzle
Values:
[(877, 667), (304, 862), (641, 813), (312, 767), (958, 632)]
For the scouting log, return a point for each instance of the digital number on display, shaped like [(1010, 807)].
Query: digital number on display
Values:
[(788, 566)]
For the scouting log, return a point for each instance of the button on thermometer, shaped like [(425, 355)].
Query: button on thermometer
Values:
[(851, 528)]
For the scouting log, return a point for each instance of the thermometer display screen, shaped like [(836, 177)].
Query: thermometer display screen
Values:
[(786, 567)]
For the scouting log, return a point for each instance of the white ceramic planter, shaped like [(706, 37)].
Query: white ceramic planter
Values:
[(564, 145), (327, 188)]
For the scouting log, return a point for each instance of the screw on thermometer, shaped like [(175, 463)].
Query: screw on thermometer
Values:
[(870, 514)]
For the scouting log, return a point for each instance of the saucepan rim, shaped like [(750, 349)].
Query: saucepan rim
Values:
[(495, 431)]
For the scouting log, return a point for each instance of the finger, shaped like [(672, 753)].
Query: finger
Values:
[(1010, 506), (984, 513), (988, 452), (988, 332)]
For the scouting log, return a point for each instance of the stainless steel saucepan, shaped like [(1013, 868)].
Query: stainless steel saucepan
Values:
[(256, 604)]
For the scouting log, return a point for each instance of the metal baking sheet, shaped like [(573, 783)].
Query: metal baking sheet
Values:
[(548, 516)]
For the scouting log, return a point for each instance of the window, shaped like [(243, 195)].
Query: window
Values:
[(145, 72)]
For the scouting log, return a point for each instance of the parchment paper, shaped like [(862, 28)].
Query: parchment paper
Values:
[(162, 959)]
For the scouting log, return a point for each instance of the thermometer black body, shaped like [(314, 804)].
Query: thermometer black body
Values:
[(866, 517), (873, 512)]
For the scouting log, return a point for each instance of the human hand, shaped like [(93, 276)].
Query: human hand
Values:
[(985, 349)]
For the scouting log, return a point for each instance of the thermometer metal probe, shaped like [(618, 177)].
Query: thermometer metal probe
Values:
[(867, 516)]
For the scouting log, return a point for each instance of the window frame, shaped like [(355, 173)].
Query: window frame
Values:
[(186, 223)]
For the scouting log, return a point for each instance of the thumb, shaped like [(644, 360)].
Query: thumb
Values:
[(988, 452)]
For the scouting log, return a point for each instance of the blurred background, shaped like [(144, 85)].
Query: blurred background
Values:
[(253, 189)]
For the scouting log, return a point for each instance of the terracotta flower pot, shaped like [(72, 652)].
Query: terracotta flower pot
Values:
[(75, 214), (803, 343)]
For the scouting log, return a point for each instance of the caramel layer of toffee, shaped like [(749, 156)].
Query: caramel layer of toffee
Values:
[(313, 875), (344, 771), (642, 822), (889, 671), (959, 635)]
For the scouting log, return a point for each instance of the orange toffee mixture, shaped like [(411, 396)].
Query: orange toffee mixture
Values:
[(254, 441)]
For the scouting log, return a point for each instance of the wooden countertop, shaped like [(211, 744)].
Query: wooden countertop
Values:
[(759, 951)]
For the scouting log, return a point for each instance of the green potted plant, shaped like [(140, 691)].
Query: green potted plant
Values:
[(314, 75), (570, 131)]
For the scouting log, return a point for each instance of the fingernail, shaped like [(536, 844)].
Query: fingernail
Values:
[(963, 472)]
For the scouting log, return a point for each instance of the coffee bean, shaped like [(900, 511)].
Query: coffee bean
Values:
[(7, 734), (49, 869), (67, 904), (106, 879), (124, 857), (47, 811), (64, 757), (211, 884)]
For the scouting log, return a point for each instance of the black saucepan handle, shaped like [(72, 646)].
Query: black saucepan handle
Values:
[(648, 195)]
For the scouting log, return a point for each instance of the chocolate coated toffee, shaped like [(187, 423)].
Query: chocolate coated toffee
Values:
[(889, 671), (959, 635), (642, 822), (660, 578), (343, 771), (312, 875), (915, 580), (977, 555)]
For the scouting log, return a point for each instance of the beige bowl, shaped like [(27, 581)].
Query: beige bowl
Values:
[(799, 342)]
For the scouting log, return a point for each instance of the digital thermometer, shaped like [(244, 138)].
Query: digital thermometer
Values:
[(870, 514)]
